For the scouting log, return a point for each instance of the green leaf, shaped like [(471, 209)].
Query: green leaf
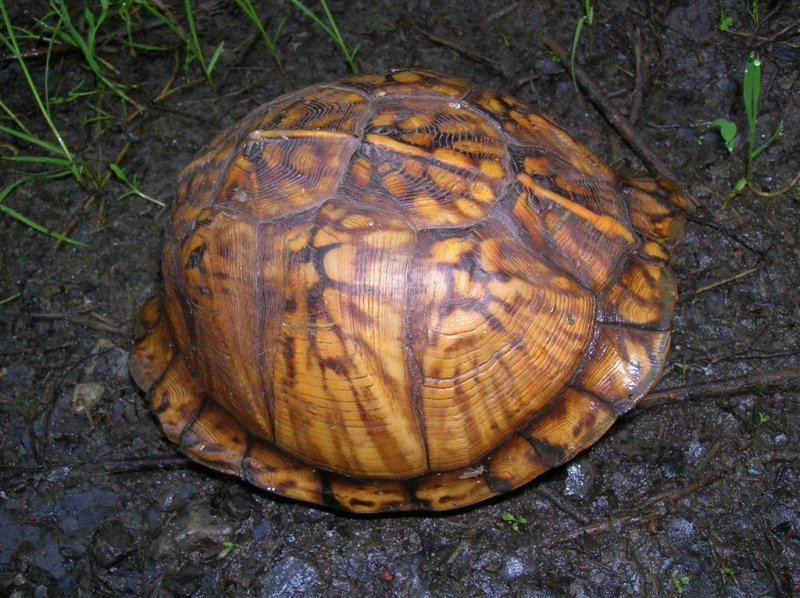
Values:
[(727, 131), (752, 89)]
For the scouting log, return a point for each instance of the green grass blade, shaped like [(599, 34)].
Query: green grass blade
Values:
[(6, 191)]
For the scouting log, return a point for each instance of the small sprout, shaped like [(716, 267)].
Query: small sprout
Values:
[(680, 583), (753, 10), (227, 548), (586, 19), (751, 92), (683, 368), (727, 130), (729, 572), (763, 418), (132, 184), (10, 298), (725, 20), (514, 520), (502, 34)]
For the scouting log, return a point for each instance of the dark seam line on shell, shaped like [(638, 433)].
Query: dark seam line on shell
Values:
[(495, 484), (163, 373), (415, 378), (326, 492), (266, 379), (652, 259), (587, 353), (633, 326), (205, 400), (249, 442), (613, 404)]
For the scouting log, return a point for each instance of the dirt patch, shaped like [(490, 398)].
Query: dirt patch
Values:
[(701, 496)]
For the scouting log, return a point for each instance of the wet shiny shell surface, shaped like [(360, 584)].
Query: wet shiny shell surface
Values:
[(404, 291)]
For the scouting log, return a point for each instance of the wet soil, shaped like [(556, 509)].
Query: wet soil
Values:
[(701, 497)]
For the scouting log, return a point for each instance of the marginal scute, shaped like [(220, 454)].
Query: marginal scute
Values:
[(440, 491), (404, 292), (215, 439), (624, 364), (643, 295), (657, 208), (152, 354), (176, 399), (274, 471), (369, 497), (571, 422)]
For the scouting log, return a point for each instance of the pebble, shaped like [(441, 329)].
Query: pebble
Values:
[(194, 530), (111, 543), (86, 396), (291, 576)]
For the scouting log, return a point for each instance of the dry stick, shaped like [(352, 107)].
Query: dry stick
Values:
[(719, 283), (464, 51), (614, 117), (783, 379), (639, 515), (640, 77)]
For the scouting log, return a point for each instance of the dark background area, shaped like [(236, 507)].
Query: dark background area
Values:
[(700, 497)]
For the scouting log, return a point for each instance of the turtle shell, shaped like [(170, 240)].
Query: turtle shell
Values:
[(404, 291)]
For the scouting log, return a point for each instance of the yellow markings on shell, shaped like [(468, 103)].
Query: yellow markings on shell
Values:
[(407, 77), (605, 224), (383, 119), (471, 146), (396, 183), (268, 134), (482, 192), (419, 139), (361, 172), (447, 180), (537, 164), (470, 208), (453, 158), (337, 259), (392, 145), (492, 169), (447, 89), (417, 121), (655, 251)]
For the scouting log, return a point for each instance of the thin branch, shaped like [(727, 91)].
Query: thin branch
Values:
[(783, 379)]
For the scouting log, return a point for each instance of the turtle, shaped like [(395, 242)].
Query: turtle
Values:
[(404, 291)]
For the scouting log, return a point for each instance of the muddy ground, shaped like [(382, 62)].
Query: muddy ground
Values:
[(700, 498)]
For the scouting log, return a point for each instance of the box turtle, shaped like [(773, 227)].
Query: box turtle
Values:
[(404, 291)]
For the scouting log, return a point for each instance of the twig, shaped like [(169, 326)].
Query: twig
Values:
[(783, 379), (719, 283), (466, 52), (640, 77), (614, 117), (636, 516)]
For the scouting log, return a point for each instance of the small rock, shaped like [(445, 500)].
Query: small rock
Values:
[(184, 581), (291, 576), (111, 543), (580, 478), (195, 530), (86, 396)]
